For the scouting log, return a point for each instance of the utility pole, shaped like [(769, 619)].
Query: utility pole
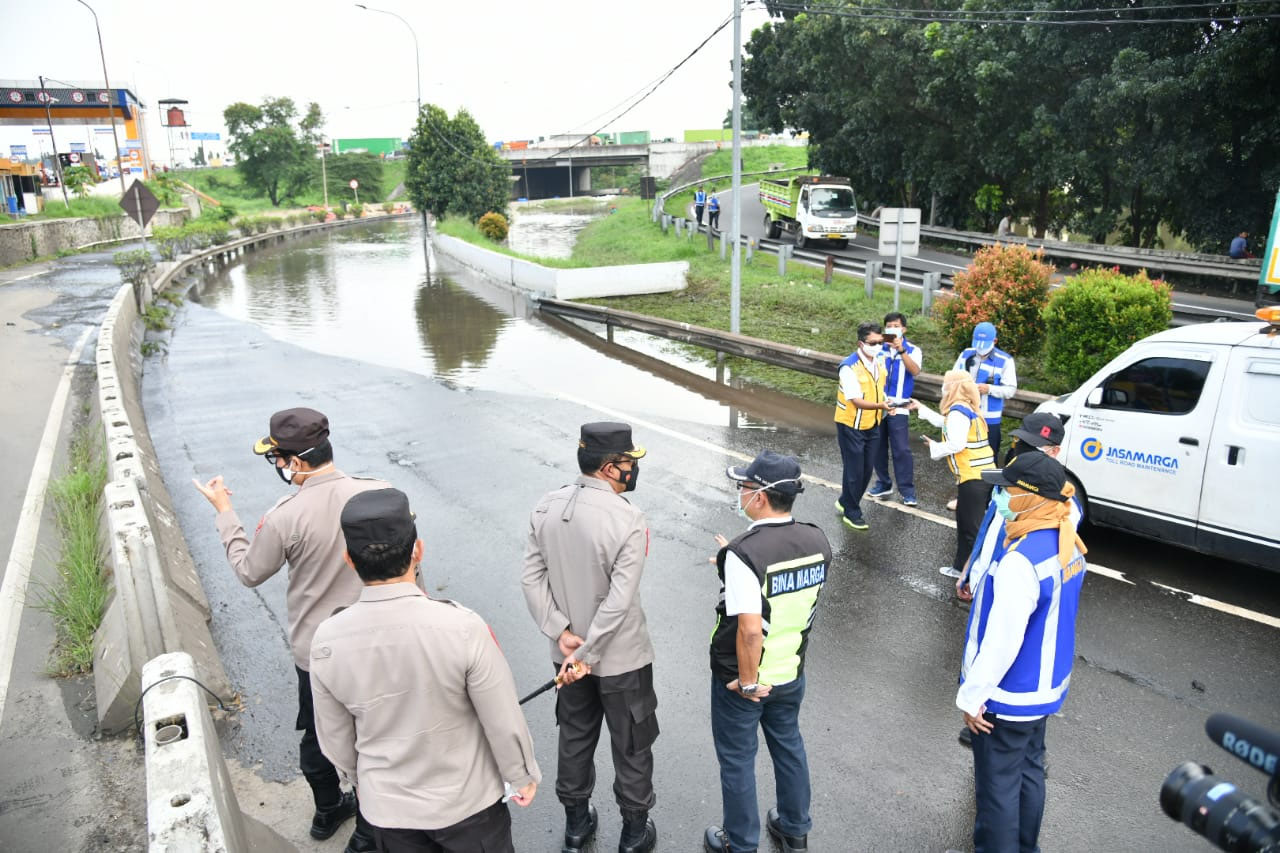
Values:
[(735, 226), (324, 178), (57, 164), (111, 112)]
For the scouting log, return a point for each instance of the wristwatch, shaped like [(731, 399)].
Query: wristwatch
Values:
[(748, 689)]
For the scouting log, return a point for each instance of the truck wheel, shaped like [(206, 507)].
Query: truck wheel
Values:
[(801, 242), (771, 229)]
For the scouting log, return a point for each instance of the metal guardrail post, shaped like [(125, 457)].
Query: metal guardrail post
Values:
[(711, 240), (679, 227), (872, 272), (928, 283), (666, 222), (723, 246), (783, 252), (751, 248)]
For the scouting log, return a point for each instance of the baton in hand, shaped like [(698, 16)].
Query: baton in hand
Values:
[(555, 682)]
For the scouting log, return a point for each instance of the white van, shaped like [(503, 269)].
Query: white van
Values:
[(1178, 439)]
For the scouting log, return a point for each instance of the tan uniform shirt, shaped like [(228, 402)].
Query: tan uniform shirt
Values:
[(582, 568), (416, 704), (305, 530)]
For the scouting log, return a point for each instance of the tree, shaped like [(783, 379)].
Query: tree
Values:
[(360, 166), (78, 180), (273, 155), (452, 169)]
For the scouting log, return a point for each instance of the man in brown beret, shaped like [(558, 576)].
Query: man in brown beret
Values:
[(304, 530)]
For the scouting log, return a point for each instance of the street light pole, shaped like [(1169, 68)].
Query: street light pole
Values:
[(735, 227), (57, 164), (111, 112), (417, 66)]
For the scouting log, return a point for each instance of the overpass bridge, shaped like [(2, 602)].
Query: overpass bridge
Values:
[(544, 172)]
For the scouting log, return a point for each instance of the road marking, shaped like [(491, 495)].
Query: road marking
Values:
[(25, 277), (13, 591), (1095, 568)]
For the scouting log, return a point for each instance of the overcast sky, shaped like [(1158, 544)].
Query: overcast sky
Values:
[(523, 69)]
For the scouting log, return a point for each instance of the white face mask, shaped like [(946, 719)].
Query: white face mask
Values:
[(742, 507), (869, 351)]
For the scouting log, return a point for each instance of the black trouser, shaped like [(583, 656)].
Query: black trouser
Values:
[(972, 497), (319, 771), (486, 831), (697, 211), (993, 439), (713, 219), (629, 706)]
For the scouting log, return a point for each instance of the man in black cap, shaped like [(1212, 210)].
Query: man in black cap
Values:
[(395, 670), (770, 577), (1019, 649), (303, 530), (582, 568)]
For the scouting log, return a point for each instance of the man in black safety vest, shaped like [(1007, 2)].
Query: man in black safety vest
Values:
[(770, 577)]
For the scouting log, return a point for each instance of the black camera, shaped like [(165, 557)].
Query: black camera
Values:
[(1216, 808)]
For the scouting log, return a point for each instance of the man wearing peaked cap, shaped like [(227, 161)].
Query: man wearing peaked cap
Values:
[(770, 579), (583, 562), (994, 371), (303, 530), (1019, 649), (397, 663)]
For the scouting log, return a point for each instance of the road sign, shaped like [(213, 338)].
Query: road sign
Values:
[(1269, 277), (207, 137), (17, 151), (81, 147), (140, 203), (74, 157), (904, 221), (354, 184)]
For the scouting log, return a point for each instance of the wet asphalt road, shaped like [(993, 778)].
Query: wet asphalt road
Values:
[(475, 447)]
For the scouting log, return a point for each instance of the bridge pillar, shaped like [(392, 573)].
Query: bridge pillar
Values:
[(582, 179)]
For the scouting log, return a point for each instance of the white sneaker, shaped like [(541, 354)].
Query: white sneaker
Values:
[(951, 504), (950, 571)]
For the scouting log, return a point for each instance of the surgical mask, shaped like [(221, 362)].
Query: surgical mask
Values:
[(742, 507), (1001, 499), (869, 351), (628, 478)]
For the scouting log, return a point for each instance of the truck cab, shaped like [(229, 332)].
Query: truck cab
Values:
[(1178, 439)]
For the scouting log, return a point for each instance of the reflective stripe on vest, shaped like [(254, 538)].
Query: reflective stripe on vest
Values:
[(990, 370), (977, 456), (1037, 681), (900, 384), (872, 390)]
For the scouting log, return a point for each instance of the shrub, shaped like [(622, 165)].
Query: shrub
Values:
[(1097, 315), (225, 213), (357, 210), (389, 207), (1007, 285), (134, 265), (320, 215), (494, 226), (169, 240)]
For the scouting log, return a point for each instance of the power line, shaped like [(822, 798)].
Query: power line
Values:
[(653, 89), (961, 17)]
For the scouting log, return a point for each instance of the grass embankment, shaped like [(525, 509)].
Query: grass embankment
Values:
[(77, 598), (754, 159), (93, 207)]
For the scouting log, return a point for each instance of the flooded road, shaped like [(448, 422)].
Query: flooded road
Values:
[(549, 229), (448, 388)]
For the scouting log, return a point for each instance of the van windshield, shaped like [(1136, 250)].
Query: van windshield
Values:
[(832, 201)]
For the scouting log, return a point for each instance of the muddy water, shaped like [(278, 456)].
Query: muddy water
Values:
[(363, 293), (549, 232)]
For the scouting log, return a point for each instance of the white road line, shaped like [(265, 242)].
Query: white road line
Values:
[(1095, 568), (25, 277), (1221, 606), (13, 591)]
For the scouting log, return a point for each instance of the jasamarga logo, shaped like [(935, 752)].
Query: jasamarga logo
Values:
[(1140, 459)]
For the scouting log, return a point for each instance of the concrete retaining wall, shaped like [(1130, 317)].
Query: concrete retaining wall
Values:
[(580, 283), (191, 805), (24, 241)]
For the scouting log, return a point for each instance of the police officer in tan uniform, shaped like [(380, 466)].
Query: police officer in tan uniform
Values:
[(583, 562), (414, 701), (303, 530)]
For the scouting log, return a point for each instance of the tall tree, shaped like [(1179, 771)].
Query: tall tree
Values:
[(273, 147), (452, 169)]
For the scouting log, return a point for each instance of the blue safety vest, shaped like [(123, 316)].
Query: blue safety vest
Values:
[(1036, 683), (900, 384), (699, 197), (714, 205), (991, 371)]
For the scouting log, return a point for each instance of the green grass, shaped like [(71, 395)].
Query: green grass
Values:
[(393, 174), (94, 206), (76, 600), (225, 185), (798, 309)]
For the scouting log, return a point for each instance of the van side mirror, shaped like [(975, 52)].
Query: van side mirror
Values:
[(1095, 398)]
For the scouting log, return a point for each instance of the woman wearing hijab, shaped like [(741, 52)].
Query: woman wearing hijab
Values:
[(965, 446)]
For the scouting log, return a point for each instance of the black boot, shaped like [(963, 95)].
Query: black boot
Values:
[(326, 821), (639, 833), (580, 820), (788, 843)]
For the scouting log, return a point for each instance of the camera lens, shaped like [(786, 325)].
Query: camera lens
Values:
[(1219, 811)]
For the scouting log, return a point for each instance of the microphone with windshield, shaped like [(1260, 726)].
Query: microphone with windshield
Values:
[(1216, 808)]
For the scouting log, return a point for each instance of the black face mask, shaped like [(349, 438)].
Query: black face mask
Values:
[(628, 478)]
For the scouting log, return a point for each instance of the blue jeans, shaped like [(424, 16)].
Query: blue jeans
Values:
[(733, 727), (1008, 777), (858, 451), (895, 436)]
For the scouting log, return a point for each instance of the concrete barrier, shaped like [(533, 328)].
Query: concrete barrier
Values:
[(561, 283), (191, 805), (25, 241)]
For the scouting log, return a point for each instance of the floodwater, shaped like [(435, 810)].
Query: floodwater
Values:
[(550, 232), (362, 292)]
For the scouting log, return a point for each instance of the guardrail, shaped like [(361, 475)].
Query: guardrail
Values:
[(816, 363)]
